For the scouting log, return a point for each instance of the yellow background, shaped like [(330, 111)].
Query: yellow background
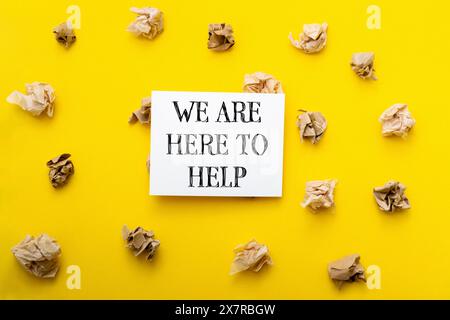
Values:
[(103, 77)]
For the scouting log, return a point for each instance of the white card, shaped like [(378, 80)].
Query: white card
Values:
[(216, 144)]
